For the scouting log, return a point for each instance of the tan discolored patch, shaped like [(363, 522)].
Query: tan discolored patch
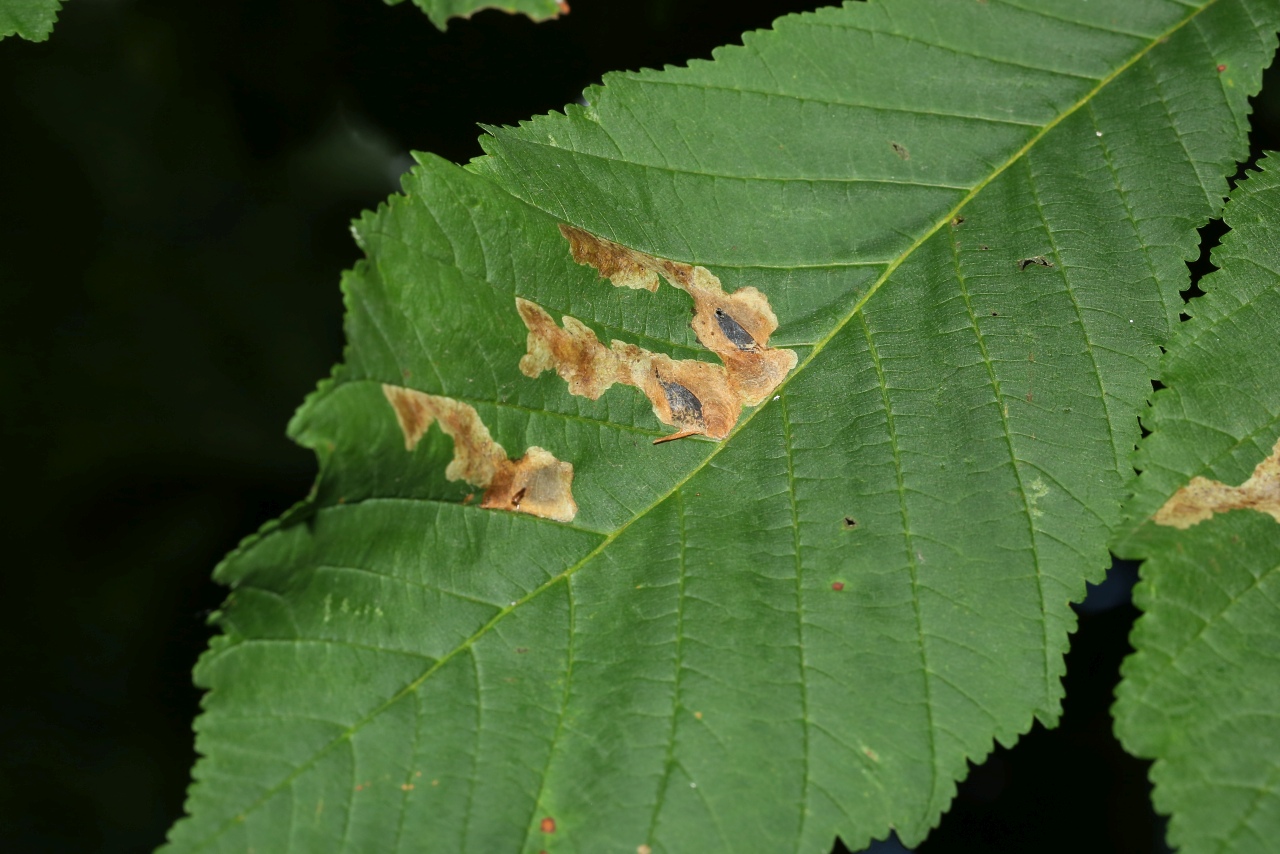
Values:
[(620, 265), (537, 483), (1202, 498), (690, 395), (694, 396)]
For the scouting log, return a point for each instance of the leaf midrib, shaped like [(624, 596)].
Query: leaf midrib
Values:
[(817, 349)]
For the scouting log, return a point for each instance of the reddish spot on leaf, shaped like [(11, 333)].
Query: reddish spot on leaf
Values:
[(837, 586), (548, 825), (1221, 68)]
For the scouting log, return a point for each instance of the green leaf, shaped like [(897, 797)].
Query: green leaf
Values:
[(1201, 694), (971, 222), (440, 11), (31, 19)]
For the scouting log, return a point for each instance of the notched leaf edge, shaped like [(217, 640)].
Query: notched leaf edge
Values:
[(537, 483), (1201, 498), (696, 397)]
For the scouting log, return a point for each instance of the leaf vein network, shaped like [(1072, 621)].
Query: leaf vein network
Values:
[(841, 323)]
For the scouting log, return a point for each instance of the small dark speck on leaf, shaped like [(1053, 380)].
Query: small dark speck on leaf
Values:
[(521, 650), (901, 151), (849, 523), (1038, 260), (995, 314), (957, 220), (837, 586), (983, 247)]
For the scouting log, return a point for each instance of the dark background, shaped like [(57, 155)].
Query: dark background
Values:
[(176, 182)]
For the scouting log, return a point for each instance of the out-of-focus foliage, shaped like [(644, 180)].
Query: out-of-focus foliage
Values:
[(440, 11), (30, 19)]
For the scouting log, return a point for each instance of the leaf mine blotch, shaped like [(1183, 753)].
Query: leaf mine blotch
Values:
[(536, 483), (736, 327), (1201, 498), (694, 396), (618, 264)]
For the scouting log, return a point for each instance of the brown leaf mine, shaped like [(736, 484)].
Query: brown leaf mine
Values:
[(1201, 498), (537, 483), (616, 263), (690, 395)]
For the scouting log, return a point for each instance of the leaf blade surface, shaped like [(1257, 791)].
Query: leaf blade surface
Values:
[(693, 678)]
